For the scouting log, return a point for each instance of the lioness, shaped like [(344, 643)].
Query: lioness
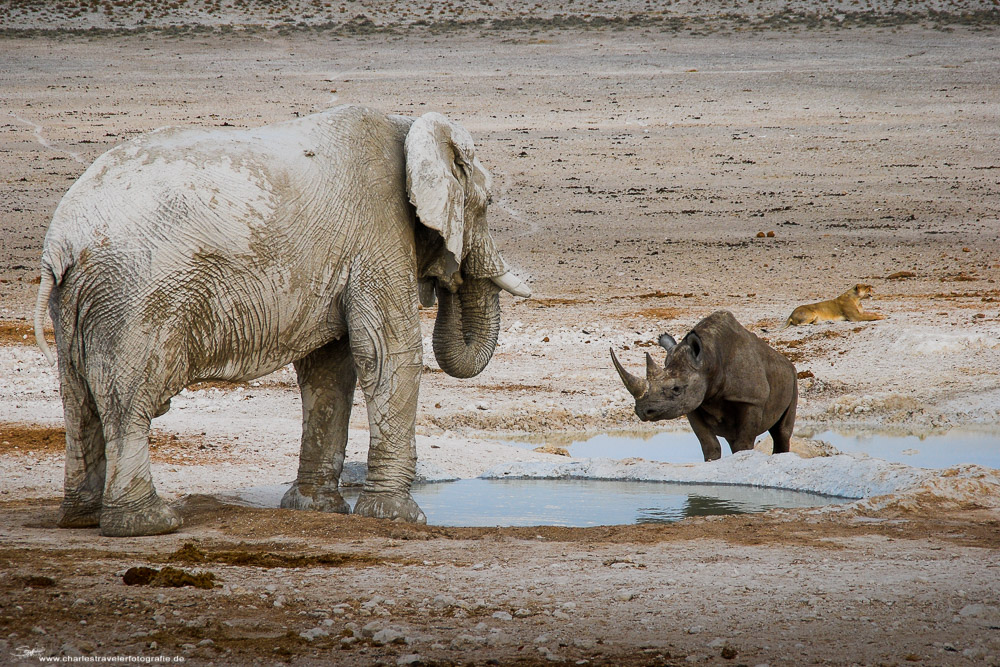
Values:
[(846, 307)]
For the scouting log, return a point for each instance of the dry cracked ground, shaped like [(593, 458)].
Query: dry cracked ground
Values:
[(642, 156)]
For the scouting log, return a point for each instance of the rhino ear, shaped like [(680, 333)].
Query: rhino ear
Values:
[(667, 342), (694, 341)]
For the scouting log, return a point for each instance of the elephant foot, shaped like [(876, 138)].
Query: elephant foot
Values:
[(151, 517), (75, 514), (317, 499), (395, 506)]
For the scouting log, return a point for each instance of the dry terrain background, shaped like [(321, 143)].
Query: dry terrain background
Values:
[(639, 150)]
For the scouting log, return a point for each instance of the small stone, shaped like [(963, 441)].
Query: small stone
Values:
[(695, 629), (973, 610), (502, 616), (552, 449), (465, 641), (409, 659), (313, 633), (561, 615), (69, 650), (441, 601), (624, 596), (206, 642), (389, 635), (523, 613)]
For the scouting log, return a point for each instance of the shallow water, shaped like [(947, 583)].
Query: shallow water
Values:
[(483, 502), (931, 451)]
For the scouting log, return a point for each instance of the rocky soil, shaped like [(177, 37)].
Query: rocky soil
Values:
[(641, 156)]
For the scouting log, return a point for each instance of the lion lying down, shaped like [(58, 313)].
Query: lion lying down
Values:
[(846, 307)]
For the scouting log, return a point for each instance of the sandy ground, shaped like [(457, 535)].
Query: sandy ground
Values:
[(636, 161)]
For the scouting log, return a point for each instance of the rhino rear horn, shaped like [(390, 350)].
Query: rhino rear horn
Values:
[(635, 385), (652, 368)]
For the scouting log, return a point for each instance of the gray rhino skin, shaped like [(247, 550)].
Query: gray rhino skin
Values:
[(727, 381)]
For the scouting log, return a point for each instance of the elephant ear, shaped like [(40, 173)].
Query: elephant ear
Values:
[(440, 162)]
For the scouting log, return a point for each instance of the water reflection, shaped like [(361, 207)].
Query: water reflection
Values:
[(487, 502)]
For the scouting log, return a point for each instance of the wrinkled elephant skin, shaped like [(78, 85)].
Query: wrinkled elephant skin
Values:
[(190, 254)]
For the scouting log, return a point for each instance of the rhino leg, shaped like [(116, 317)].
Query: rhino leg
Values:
[(710, 445), (749, 426), (781, 433)]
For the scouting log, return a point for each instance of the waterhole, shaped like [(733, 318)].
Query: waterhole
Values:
[(581, 503)]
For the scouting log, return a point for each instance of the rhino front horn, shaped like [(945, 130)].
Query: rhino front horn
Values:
[(636, 386)]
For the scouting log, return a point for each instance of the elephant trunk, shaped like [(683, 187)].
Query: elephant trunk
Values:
[(467, 326)]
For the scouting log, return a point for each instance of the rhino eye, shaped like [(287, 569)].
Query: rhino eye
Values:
[(675, 390)]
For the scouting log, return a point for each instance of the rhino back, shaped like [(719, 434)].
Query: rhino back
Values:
[(741, 360)]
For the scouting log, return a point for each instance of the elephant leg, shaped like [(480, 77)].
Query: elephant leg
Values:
[(131, 505), (711, 449), (84, 478), (385, 341), (326, 379)]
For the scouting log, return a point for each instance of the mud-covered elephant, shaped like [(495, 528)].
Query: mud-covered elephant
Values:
[(188, 255)]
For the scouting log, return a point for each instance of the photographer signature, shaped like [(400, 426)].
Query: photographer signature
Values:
[(25, 652)]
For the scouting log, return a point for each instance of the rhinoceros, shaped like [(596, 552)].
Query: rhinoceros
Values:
[(727, 381)]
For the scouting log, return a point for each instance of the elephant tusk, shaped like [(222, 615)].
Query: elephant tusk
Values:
[(512, 284)]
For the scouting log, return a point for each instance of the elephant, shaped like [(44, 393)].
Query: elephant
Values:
[(190, 254)]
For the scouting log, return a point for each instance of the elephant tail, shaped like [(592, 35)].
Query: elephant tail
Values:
[(45, 287)]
